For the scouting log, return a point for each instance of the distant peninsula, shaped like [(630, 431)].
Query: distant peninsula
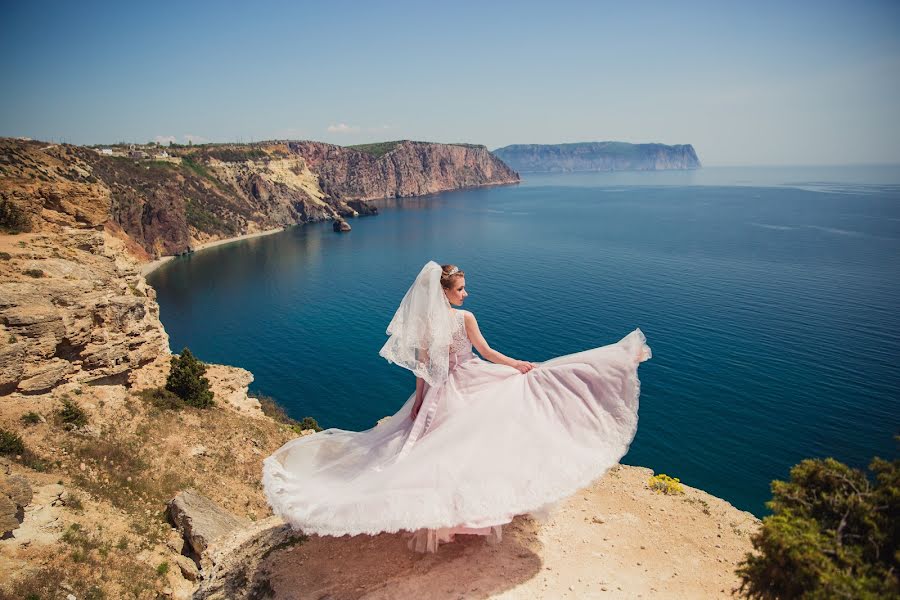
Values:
[(597, 156)]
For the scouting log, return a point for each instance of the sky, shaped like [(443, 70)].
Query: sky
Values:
[(747, 83)]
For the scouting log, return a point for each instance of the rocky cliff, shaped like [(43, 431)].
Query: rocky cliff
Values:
[(401, 169), (597, 156), (204, 193), (73, 307)]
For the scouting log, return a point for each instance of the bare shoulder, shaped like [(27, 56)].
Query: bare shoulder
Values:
[(468, 316)]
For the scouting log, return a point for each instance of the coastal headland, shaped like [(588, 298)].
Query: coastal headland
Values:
[(85, 499), (597, 156)]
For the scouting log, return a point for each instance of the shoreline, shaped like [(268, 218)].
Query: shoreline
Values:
[(149, 267)]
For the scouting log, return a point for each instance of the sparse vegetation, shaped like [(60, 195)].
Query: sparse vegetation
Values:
[(235, 154), (71, 415), (36, 273), (307, 423), (11, 442), (5, 256), (274, 410), (665, 484), (160, 397), (12, 218), (377, 150), (30, 418), (205, 220), (186, 380), (832, 534)]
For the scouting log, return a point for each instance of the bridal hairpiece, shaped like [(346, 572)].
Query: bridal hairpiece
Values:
[(452, 271)]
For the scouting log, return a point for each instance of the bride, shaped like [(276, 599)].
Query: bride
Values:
[(480, 441)]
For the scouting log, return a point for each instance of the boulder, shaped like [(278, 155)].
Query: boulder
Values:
[(201, 521)]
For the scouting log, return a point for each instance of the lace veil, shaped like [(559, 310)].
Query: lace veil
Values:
[(421, 330)]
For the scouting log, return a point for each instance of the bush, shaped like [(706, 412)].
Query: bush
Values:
[(30, 418), (12, 218), (665, 484), (272, 409), (11, 443), (36, 273), (162, 398), (832, 534), (186, 380), (71, 414), (309, 423)]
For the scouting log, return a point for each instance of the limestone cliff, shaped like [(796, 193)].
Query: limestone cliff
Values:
[(401, 169), (204, 193), (73, 307), (597, 156)]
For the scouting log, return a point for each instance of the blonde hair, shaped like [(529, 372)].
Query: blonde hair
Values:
[(450, 272)]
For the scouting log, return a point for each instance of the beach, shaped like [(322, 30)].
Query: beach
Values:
[(151, 266)]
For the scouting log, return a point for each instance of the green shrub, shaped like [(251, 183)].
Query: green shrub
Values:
[(309, 423), (71, 415), (11, 443), (272, 409), (162, 398), (186, 380), (12, 218), (30, 418), (832, 534)]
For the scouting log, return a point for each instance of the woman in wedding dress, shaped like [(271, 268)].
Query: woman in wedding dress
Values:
[(481, 440)]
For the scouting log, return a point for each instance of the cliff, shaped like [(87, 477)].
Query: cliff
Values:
[(597, 156), (401, 169), (199, 194)]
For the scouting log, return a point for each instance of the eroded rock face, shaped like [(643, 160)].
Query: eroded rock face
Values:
[(406, 169), (73, 307), (15, 495)]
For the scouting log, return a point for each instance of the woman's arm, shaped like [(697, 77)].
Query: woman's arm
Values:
[(420, 395), (488, 353)]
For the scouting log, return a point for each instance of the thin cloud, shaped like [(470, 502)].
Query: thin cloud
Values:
[(343, 128), (190, 138), (164, 140)]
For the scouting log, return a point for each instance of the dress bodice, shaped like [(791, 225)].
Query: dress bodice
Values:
[(460, 346)]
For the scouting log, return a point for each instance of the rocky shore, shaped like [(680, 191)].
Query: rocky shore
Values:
[(112, 495)]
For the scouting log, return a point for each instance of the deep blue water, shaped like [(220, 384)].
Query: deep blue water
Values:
[(768, 296)]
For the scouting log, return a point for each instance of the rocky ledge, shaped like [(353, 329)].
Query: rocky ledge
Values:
[(73, 307)]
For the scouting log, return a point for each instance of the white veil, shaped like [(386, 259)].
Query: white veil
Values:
[(421, 329)]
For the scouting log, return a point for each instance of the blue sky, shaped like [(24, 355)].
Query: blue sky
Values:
[(759, 83)]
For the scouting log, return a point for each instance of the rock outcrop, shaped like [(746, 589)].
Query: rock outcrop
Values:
[(402, 169), (73, 307), (597, 156)]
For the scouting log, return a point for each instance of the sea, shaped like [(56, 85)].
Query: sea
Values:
[(769, 297)]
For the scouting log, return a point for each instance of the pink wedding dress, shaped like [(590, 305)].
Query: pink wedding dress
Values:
[(488, 443)]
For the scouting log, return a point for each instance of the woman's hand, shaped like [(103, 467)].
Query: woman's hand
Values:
[(523, 366), (415, 409)]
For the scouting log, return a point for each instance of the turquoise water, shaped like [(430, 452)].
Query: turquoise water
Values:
[(769, 298)]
